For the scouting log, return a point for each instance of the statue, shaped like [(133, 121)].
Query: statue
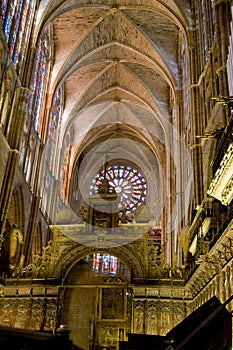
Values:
[(82, 213), (12, 238), (126, 217), (183, 241), (104, 187)]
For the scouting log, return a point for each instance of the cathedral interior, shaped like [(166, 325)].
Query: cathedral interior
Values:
[(116, 167)]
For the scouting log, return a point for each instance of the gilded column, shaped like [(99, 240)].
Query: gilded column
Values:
[(222, 286), (231, 287), (146, 316), (227, 283), (217, 286)]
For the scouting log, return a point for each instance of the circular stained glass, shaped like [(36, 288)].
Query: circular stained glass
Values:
[(126, 181)]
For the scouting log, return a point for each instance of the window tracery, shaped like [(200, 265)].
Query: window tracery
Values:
[(55, 112), (104, 263), (6, 100), (125, 180), (16, 17), (53, 126), (40, 78), (206, 25), (65, 165)]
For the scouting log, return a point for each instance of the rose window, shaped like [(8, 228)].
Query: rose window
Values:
[(126, 181)]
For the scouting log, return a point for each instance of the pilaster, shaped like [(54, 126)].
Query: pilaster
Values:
[(7, 186), (31, 227), (18, 115)]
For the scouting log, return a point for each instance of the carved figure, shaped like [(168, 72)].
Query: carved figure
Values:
[(82, 213), (126, 217), (104, 187), (15, 237), (183, 240), (12, 238)]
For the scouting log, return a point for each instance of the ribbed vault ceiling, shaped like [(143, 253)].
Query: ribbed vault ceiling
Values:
[(119, 64)]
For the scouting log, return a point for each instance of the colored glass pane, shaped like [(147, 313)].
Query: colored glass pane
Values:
[(3, 10), (55, 113), (53, 123), (23, 33), (9, 16), (104, 263), (40, 78), (128, 182), (16, 16)]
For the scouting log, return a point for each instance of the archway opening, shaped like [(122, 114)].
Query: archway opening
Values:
[(95, 304)]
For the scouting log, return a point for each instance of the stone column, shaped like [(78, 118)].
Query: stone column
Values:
[(7, 186), (196, 148), (196, 118), (169, 209), (18, 115), (34, 208), (31, 228), (223, 19), (54, 200), (28, 66)]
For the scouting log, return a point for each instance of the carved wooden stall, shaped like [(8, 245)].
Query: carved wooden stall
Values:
[(18, 339), (209, 327)]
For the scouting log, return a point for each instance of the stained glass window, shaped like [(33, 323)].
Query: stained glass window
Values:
[(205, 28), (8, 13), (40, 79), (104, 263), (125, 180), (16, 17), (23, 33), (65, 173), (213, 14), (55, 112), (206, 25), (54, 119), (3, 10)]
